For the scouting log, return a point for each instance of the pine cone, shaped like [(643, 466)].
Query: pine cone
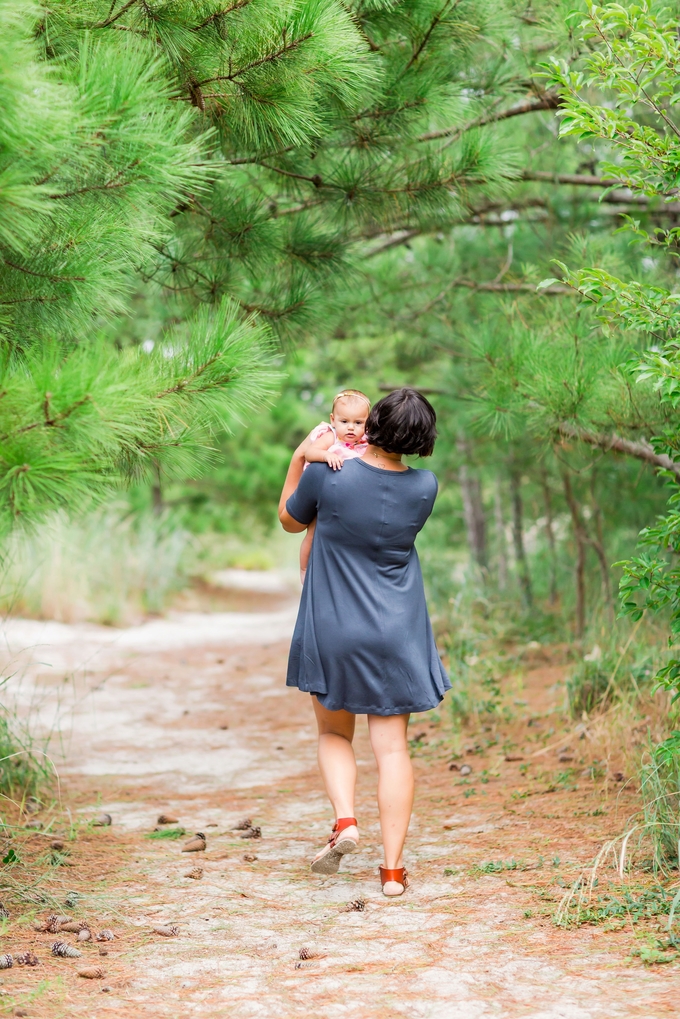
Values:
[(27, 959), (357, 905), (196, 844), (64, 951), (167, 819), (6, 961), (308, 953), (167, 932), (196, 873), (243, 825), (91, 972), (72, 899), (54, 922), (4, 912), (105, 936), (252, 833), (74, 926), (85, 934)]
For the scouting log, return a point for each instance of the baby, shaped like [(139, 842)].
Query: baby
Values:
[(342, 439)]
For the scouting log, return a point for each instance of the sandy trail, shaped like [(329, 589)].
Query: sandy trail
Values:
[(190, 715)]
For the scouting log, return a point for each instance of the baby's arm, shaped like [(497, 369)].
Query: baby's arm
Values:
[(317, 452)]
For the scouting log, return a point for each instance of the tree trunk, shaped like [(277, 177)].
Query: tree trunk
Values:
[(473, 508), (580, 538), (550, 535), (518, 540), (597, 544), (157, 493), (501, 552)]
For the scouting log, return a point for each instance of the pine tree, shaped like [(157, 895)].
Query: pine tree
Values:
[(224, 164)]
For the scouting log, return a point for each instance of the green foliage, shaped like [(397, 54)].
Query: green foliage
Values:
[(23, 772), (166, 833), (660, 790)]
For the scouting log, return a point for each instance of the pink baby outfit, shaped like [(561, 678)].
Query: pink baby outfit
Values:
[(342, 449)]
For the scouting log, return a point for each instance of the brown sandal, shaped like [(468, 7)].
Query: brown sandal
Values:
[(398, 874), (328, 860)]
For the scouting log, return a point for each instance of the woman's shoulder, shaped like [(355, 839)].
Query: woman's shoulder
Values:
[(426, 477)]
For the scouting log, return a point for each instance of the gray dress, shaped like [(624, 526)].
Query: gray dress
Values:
[(363, 639)]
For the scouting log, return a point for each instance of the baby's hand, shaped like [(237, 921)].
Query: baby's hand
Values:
[(334, 461)]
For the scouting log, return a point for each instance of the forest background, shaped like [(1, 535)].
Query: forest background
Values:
[(215, 216)]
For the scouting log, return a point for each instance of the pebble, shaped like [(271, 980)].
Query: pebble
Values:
[(466, 769)]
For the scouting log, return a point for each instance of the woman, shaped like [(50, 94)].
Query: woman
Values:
[(363, 642)]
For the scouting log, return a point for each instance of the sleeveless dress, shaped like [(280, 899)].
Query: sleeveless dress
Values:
[(363, 639)]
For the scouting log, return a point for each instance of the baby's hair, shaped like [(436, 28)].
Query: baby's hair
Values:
[(351, 394)]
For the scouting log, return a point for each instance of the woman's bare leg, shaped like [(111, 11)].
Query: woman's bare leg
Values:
[(337, 763), (395, 786)]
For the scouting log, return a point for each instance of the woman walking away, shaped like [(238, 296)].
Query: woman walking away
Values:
[(363, 643)]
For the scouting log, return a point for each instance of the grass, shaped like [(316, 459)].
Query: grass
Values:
[(166, 833), (24, 772), (110, 567)]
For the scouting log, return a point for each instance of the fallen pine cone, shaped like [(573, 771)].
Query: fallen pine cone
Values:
[(53, 923), (91, 972), (249, 857), (195, 844), (356, 906), (27, 959), (85, 934), (103, 821), (167, 819), (243, 825), (306, 964), (309, 953), (196, 873), (252, 833), (73, 926), (167, 932), (6, 961), (105, 936), (72, 899), (4, 912), (64, 951)]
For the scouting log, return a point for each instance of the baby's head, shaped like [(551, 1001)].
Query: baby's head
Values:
[(349, 414)]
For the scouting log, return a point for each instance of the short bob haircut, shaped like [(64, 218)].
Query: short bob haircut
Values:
[(403, 422)]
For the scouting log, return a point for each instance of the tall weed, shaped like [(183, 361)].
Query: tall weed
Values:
[(109, 567)]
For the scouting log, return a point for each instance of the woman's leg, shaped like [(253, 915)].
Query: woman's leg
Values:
[(339, 772), (337, 764), (395, 786)]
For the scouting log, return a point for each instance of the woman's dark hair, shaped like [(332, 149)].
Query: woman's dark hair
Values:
[(403, 422)]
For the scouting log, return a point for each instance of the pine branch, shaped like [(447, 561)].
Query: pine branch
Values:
[(641, 449), (114, 17), (45, 275), (220, 14), (547, 101), (50, 420), (579, 179), (426, 38), (286, 48)]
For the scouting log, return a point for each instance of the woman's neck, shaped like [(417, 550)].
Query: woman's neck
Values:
[(386, 461)]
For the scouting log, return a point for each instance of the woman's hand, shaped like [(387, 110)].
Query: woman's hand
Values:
[(334, 461)]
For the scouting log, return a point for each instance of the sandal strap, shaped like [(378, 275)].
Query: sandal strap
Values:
[(398, 874), (339, 826)]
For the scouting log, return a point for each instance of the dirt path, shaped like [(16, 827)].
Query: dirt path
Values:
[(191, 717)]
